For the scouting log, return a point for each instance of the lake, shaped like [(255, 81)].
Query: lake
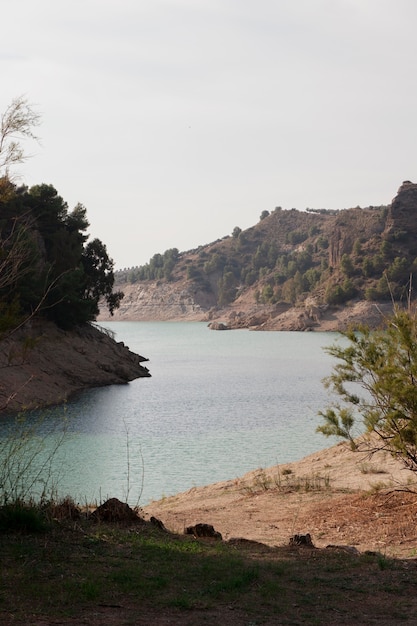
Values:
[(218, 404)]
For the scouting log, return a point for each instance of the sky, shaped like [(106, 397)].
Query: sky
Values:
[(173, 121)]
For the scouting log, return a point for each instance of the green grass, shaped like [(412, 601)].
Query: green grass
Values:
[(70, 568)]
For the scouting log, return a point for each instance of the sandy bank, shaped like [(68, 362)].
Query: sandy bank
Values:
[(338, 496)]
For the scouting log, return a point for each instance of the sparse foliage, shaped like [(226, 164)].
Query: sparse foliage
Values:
[(27, 455), (376, 380), (17, 123)]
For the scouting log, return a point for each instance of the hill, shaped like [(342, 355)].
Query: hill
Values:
[(293, 270)]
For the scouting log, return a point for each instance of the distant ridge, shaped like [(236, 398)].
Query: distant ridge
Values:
[(293, 270)]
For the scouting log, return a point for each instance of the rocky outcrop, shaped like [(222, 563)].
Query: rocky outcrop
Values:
[(218, 326), (43, 365), (402, 213), (308, 317)]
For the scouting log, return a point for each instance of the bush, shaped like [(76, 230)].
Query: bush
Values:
[(335, 295), (296, 236), (375, 378), (21, 517)]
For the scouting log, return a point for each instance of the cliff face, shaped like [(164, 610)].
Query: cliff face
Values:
[(42, 365), (162, 301), (402, 213)]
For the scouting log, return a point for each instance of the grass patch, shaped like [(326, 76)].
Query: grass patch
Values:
[(368, 468), (72, 568), (286, 481)]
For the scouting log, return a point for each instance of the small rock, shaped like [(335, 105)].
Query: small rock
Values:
[(301, 540), (157, 522), (349, 549), (218, 326), (203, 530)]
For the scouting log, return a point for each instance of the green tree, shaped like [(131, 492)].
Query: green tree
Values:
[(99, 277), (375, 379), (170, 258), (357, 247), (267, 294), (346, 265), (386, 249), (193, 272), (311, 277), (335, 294), (367, 267), (323, 242), (398, 269), (242, 239), (296, 236), (46, 266), (226, 288), (303, 260), (289, 291)]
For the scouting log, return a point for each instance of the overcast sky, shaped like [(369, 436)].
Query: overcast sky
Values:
[(173, 121)]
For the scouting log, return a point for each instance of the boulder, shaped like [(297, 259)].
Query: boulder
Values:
[(203, 530), (218, 326), (113, 510)]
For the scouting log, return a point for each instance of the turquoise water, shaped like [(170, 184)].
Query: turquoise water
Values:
[(218, 404)]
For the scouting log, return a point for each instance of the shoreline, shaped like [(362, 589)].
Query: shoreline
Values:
[(42, 365), (317, 495), (244, 314)]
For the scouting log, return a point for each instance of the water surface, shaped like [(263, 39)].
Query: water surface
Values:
[(218, 404)]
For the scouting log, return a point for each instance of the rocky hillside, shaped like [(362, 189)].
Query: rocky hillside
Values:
[(41, 364), (293, 270)]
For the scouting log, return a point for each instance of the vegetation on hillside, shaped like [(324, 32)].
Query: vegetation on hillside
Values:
[(289, 255)]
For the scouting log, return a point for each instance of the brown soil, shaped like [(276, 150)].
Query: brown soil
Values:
[(338, 496), (41, 364)]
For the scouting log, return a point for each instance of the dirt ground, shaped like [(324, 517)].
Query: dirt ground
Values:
[(42, 365), (344, 499), (340, 497)]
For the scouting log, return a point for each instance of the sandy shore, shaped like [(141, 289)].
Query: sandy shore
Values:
[(338, 496)]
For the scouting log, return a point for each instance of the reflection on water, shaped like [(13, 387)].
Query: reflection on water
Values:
[(218, 404)]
